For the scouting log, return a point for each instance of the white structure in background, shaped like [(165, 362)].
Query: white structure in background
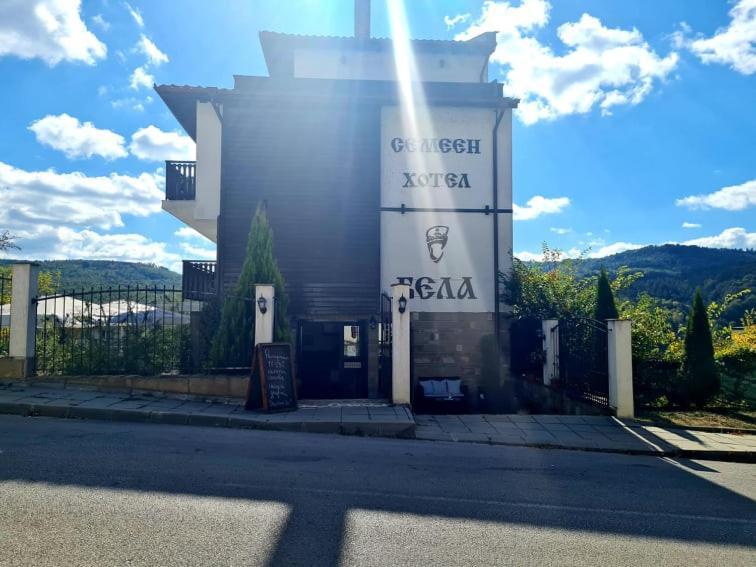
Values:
[(201, 212), (70, 312), (400, 344)]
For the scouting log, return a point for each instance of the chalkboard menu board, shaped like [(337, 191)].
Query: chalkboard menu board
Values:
[(271, 385)]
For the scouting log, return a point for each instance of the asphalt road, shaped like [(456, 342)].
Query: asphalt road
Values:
[(96, 493)]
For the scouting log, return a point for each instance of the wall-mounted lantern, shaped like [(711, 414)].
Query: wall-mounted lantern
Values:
[(262, 304), (402, 304), (373, 322)]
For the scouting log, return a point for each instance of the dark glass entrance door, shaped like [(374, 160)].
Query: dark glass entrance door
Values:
[(332, 359)]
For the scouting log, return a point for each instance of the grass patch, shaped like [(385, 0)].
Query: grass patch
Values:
[(736, 419)]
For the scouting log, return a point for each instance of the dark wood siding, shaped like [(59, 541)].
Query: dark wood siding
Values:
[(317, 167)]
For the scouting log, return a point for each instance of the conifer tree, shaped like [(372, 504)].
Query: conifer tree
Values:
[(605, 307), (233, 341), (699, 377)]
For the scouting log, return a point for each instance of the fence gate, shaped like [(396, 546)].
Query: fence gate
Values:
[(384, 348), (582, 360)]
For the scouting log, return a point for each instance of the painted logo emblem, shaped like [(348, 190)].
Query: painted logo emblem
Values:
[(436, 238)]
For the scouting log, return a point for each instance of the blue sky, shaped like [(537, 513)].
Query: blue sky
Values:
[(636, 125)]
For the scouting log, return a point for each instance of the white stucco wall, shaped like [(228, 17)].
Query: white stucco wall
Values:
[(380, 66), (445, 254), (209, 130)]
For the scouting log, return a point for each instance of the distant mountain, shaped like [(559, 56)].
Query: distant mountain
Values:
[(86, 274), (673, 272)]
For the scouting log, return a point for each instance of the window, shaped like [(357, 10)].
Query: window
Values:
[(351, 341)]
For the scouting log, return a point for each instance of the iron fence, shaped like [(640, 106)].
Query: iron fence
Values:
[(582, 361), (123, 330), (385, 337), (5, 313)]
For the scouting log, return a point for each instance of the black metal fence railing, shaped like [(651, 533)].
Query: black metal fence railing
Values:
[(124, 330), (582, 361), (198, 279), (5, 313), (180, 180)]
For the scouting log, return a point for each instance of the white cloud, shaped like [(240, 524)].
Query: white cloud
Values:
[(452, 21), (153, 144), (76, 139), (100, 21), (154, 56), (691, 225), (62, 215), (614, 248), (51, 30), (538, 205), (35, 198), (734, 45), (733, 198), (601, 67), (136, 14), (141, 78), (61, 243), (558, 230), (132, 103), (189, 233), (198, 252), (529, 256), (735, 237)]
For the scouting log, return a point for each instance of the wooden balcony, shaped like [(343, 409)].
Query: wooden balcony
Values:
[(180, 180), (198, 280)]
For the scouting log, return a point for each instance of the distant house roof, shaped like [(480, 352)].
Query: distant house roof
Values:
[(278, 48)]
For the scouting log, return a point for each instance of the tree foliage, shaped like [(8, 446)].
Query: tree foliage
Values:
[(605, 307), (698, 375), (233, 341), (7, 241)]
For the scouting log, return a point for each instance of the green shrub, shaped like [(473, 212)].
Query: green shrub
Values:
[(699, 380)]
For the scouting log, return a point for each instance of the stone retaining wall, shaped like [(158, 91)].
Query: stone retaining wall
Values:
[(220, 386)]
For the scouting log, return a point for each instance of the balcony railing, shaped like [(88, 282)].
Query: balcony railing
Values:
[(180, 180), (198, 280)]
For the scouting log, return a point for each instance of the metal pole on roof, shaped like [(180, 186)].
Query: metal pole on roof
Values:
[(362, 19)]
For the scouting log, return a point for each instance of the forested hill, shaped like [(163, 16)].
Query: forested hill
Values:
[(86, 274), (673, 272)]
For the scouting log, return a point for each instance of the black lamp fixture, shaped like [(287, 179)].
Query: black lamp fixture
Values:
[(373, 322), (262, 304), (402, 304)]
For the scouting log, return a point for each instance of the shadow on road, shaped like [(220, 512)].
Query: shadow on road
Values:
[(323, 478)]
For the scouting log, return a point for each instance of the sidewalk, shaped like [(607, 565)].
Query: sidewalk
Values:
[(351, 419), (591, 433)]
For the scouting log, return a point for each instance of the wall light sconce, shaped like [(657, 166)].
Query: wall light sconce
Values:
[(402, 304), (373, 322), (262, 304)]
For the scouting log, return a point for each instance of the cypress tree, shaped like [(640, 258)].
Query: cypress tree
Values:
[(235, 336), (605, 307), (699, 377)]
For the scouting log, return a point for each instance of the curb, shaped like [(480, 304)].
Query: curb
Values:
[(362, 429)]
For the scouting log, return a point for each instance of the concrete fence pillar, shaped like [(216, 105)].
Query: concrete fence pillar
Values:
[(550, 331), (264, 321), (400, 344), (23, 319), (620, 367)]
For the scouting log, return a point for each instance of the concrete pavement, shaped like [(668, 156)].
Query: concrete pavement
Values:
[(110, 493), (373, 418), (370, 418), (594, 433)]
